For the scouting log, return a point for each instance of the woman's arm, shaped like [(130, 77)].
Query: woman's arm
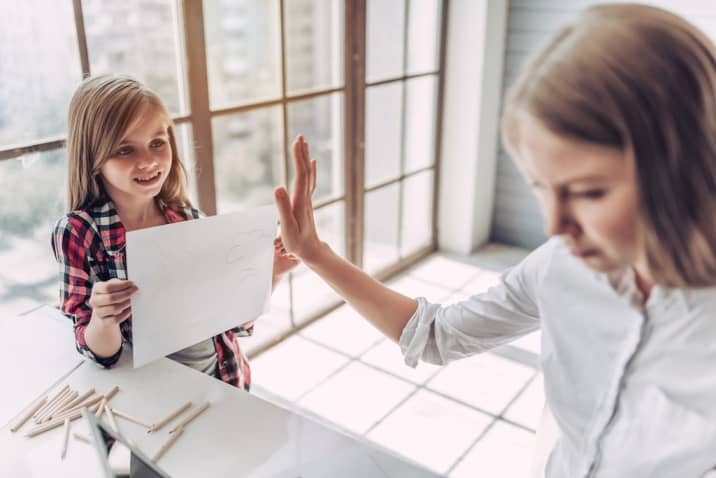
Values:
[(386, 309)]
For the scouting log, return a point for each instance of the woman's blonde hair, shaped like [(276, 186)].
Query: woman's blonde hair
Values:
[(101, 110), (643, 80)]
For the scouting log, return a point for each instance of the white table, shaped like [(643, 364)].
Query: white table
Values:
[(239, 435), (37, 350)]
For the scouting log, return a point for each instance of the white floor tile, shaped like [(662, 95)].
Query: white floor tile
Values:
[(430, 430), (504, 452), (386, 355), (447, 272), (413, 287), (294, 367), (486, 381), (356, 398), (527, 409), (345, 330), (530, 342), (481, 283)]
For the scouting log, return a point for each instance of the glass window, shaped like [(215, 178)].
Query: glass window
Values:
[(320, 121), (185, 143), (383, 132), (380, 244), (140, 39), (33, 194), (417, 213), (248, 158), (41, 68), (243, 51), (384, 39), (423, 35), (311, 294), (314, 44), (420, 123)]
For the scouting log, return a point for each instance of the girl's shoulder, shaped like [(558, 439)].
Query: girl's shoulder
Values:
[(91, 218)]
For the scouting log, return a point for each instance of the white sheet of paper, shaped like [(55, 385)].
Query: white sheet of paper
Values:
[(198, 278)]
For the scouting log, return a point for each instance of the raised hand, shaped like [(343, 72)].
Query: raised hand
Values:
[(298, 229)]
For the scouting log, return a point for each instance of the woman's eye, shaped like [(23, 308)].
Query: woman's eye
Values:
[(126, 151), (591, 194)]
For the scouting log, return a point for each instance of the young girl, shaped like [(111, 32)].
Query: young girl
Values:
[(614, 124), (124, 173)]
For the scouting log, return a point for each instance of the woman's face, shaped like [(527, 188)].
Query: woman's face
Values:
[(588, 195)]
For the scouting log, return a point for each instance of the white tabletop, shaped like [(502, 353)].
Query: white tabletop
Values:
[(238, 435), (37, 351)]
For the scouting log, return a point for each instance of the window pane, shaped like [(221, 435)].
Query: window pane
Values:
[(384, 39), (248, 158), (423, 35), (320, 121), (420, 123), (383, 132), (310, 292), (140, 39), (242, 50), (185, 143), (417, 220), (270, 326), (380, 245), (40, 63), (32, 191), (314, 44)]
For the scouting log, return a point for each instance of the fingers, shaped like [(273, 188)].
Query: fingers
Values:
[(301, 179), (103, 295), (288, 222), (111, 300), (313, 176)]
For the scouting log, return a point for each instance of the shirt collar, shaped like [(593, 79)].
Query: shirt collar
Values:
[(111, 230)]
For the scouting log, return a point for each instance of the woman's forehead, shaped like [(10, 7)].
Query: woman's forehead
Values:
[(555, 160)]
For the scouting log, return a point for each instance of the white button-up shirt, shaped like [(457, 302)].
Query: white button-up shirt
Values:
[(632, 385)]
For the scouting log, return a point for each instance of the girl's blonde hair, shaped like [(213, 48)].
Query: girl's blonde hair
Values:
[(642, 80), (101, 110)]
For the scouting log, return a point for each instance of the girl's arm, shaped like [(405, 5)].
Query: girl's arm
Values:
[(99, 340), (386, 309)]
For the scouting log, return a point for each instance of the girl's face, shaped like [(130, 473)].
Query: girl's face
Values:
[(138, 167), (588, 194)]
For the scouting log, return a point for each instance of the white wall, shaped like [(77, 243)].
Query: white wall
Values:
[(475, 52)]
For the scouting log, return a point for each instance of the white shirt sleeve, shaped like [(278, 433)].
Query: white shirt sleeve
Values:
[(440, 334)]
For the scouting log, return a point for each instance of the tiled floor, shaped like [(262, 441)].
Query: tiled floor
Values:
[(474, 417)]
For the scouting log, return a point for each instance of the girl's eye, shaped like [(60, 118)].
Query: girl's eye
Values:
[(124, 151), (158, 143)]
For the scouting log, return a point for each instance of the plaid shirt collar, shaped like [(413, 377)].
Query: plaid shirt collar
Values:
[(111, 230)]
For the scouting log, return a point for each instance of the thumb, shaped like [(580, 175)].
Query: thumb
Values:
[(283, 203)]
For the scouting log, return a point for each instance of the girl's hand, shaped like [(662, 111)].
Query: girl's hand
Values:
[(110, 301), (283, 261), (298, 230)]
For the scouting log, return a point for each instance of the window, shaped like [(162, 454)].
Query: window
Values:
[(241, 78)]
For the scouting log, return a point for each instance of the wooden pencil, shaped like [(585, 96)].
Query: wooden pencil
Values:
[(42, 428), (75, 402), (129, 417), (56, 400), (170, 417), (167, 444), (59, 405), (191, 416), (51, 401), (23, 419), (65, 439)]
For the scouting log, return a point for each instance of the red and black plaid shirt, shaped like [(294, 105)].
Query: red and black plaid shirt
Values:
[(89, 246)]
